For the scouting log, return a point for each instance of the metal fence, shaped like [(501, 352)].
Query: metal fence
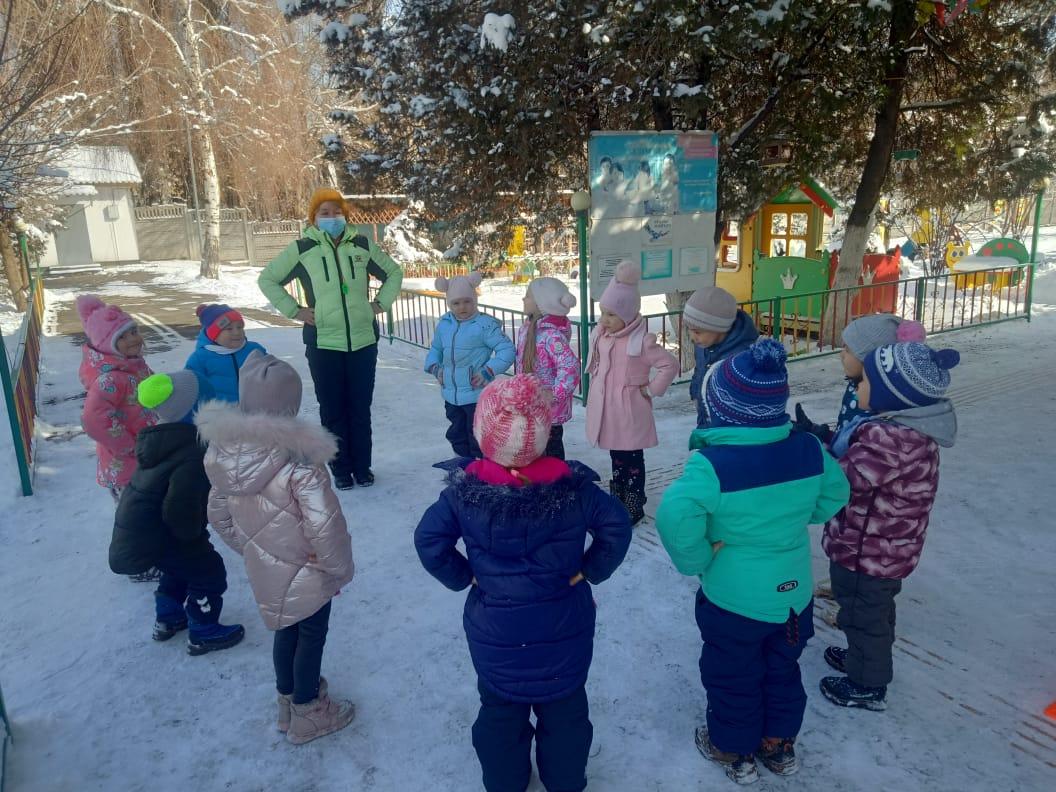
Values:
[(802, 323), (19, 382)]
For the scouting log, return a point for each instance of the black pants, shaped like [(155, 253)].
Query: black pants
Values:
[(628, 477), (555, 446), (503, 734), (460, 432), (867, 618), (344, 388), (193, 586), (297, 652)]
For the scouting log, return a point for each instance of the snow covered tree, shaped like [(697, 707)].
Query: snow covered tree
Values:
[(485, 116), (952, 89)]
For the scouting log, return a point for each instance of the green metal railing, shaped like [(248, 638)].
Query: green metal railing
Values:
[(802, 322)]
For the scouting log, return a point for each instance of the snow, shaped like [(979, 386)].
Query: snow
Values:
[(974, 619), (334, 30), (681, 89), (497, 31), (775, 13), (405, 243)]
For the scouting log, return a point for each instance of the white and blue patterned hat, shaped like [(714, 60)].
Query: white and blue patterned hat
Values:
[(751, 388), (902, 376)]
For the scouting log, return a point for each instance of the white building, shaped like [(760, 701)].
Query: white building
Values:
[(95, 208)]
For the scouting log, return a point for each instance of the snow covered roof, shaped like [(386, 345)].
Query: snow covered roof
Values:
[(100, 165)]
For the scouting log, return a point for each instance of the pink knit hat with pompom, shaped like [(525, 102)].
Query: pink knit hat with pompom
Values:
[(103, 324), (621, 295), (512, 421)]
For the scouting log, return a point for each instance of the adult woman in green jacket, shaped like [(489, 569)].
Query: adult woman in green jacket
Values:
[(334, 266)]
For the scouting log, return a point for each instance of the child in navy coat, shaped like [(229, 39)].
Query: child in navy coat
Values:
[(530, 614)]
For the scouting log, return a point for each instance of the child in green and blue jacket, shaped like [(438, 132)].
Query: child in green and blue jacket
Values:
[(737, 519)]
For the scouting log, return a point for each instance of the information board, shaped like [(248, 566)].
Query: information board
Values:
[(653, 201)]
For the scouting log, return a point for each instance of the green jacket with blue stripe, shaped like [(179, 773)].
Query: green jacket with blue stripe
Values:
[(755, 490)]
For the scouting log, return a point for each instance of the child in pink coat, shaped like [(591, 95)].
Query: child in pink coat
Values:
[(544, 350), (112, 366), (620, 401)]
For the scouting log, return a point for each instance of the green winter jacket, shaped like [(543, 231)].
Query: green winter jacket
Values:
[(335, 282), (756, 490)]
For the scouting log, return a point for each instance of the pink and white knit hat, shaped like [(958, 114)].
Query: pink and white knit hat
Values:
[(512, 421), (103, 324), (621, 295)]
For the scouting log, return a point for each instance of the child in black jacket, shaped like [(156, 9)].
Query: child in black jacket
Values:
[(161, 520)]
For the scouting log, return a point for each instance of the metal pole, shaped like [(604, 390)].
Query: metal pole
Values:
[(1037, 227), (584, 312), (194, 186)]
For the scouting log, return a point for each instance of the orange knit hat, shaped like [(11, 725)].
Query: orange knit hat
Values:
[(321, 196)]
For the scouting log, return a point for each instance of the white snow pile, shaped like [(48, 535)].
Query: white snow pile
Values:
[(454, 251), (404, 240), (775, 14), (332, 143), (497, 31), (334, 30)]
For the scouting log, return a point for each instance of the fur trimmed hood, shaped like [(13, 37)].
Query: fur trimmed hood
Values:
[(253, 447), (525, 514)]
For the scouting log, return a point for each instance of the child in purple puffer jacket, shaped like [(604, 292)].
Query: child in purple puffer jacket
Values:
[(892, 463), (544, 350)]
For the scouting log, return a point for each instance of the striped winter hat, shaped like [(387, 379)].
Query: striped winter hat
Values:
[(215, 318), (512, 421), (902, 376), (751, 388)]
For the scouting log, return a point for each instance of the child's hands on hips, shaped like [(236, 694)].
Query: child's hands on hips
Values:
[(716, 547), (576, 578), (644, 390)]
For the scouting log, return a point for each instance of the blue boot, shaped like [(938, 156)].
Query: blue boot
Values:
[(206, 638), (170, 616), (843, 692)]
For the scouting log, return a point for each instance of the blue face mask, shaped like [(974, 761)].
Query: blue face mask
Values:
[(334, 226)]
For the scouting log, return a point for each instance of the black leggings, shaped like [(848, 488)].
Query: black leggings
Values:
[(298, 656)]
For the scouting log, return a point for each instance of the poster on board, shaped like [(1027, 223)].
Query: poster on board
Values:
[(653, 201)]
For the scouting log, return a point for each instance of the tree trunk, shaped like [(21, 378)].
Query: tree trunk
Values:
[(210, 206), (874, 173), (210, 267), (17, 284)]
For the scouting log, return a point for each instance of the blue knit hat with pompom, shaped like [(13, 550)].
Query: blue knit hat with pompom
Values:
[(902, 376), (751, 388)]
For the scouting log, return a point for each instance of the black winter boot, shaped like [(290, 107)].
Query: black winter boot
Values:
[(843, 692), (836, 657)]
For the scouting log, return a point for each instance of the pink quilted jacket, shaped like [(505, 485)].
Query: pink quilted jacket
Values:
[(556, 365), (112, 415), (894, 473)]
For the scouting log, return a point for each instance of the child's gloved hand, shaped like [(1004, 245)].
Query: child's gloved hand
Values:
[(803, 424)]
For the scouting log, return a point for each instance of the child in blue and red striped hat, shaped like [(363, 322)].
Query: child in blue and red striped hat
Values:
[(221, 350)]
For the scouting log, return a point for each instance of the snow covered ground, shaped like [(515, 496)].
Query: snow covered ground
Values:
[(97, 705)]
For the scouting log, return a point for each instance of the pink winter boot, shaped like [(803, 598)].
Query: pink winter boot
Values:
[(286, 701), (318, 718)]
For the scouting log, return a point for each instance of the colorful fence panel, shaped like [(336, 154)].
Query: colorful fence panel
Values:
[(20, 386)]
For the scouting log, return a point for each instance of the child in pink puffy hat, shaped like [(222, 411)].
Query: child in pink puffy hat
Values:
[(112, 366), (623, 354)]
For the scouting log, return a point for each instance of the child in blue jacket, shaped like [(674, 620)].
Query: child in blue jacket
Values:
[(469, 349), (221, 350), (530, 614)]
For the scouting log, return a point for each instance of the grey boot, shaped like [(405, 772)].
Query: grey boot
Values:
[(318, 718), (285, 702)]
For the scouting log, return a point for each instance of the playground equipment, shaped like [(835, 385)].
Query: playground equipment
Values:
[(1001, 252), (777, 256)]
